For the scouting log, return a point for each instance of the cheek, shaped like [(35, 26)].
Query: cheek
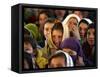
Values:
[(90, 40), (41, 21), (45, 32), (31, 48), (28, 48), (90, 36), (69, 25), (82, 32), (56, 40), (53, 63)]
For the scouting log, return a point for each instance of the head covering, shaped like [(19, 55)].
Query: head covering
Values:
[(50, 42), (33, 29), (69, 61), (65, 25), (57, 26), (72, 44), (87, 20)]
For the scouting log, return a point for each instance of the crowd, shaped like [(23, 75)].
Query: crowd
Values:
[(58, 38)]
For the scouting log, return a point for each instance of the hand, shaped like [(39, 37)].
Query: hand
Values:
[(75, 31)]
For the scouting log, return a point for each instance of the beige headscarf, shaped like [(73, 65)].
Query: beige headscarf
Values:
[(65, 25)]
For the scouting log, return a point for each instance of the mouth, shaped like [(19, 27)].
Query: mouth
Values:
[(57, 44), (91, 40), (82, 35)]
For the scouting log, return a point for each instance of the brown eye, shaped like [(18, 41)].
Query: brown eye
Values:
[(59, 36), (47, 29), (75, 23)]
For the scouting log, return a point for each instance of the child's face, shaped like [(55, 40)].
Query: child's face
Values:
[(47, 29), (57, 37), (42, 19), (91, 36), (28, 47), (82, 29), (57, 62), (72, 22)]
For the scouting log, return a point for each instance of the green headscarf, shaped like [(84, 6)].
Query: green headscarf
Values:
[(34, 30)]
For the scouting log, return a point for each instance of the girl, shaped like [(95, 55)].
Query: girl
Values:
[(70, 25), (83, 26), (60, 59), (89, 46)]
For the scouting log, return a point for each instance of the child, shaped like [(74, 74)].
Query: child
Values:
[(47, 28), (43, 17), (70, 25), (83, 26), (54, 40), (89, 46), (72, 47), (32, 57), (32, 30), (60, 59), (29, 52)]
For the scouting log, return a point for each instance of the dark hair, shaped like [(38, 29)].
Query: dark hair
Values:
[(33, 43), (28, 58), (91, 26), (50, 20), (57, 26), (62, 55), (27, 32), (83, 21), (44, 12)]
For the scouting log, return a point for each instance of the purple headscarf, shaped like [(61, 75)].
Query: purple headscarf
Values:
[(73, 44)]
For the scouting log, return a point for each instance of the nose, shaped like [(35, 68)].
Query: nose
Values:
[(56, 39), (91, 36), (82, 32), (48, 32)]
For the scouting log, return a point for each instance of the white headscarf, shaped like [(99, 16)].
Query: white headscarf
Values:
[(65, 25), (68, 58), (86, 19)]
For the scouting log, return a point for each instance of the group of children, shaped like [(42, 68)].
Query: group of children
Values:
[(64, 40)]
